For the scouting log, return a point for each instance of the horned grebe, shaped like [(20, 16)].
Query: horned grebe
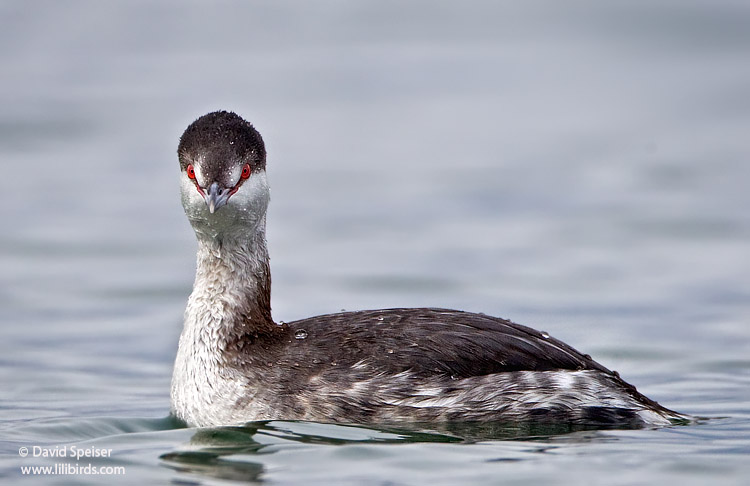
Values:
[(235, 364)]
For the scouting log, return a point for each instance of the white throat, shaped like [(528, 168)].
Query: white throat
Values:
[(241, 218)]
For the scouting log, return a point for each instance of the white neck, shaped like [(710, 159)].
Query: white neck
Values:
[(230, 301)]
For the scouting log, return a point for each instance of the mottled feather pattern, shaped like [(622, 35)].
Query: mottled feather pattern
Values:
[(365, 377), (235, 364)]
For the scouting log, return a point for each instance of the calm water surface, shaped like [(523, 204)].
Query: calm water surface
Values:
[(582, 168)]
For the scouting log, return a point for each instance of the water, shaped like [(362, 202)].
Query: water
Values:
[(581, 168)]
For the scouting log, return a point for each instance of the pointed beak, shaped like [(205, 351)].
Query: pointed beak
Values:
[(216, 197)]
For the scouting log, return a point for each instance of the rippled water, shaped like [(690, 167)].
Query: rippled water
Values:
[(580, 167)]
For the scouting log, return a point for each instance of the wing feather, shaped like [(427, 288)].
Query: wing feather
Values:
[(426, 341)]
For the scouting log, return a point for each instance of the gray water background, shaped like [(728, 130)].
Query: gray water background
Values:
[(580, 167)]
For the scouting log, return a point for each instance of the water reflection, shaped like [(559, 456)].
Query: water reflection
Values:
[(237, 452), (212, 465)]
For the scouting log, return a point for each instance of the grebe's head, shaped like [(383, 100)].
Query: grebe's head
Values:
[(223, 181)]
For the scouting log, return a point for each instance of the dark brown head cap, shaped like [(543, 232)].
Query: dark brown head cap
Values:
[(219, 142)]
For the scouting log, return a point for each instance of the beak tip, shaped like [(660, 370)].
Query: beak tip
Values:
[(216, 197)]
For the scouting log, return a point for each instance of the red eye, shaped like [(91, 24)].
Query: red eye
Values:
[(190, 171), (246, 171)]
